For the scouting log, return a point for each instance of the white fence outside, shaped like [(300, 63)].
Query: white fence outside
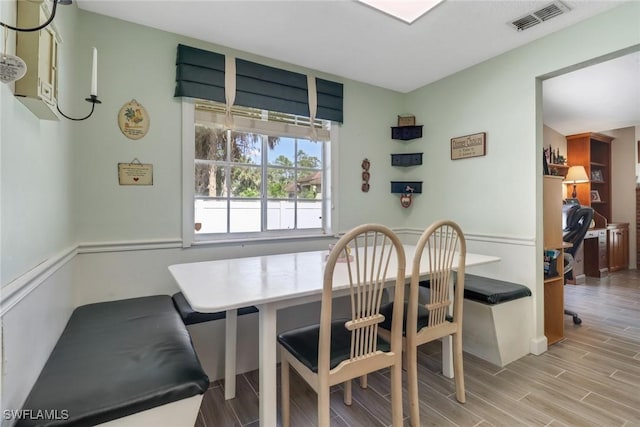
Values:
[(212, 214)]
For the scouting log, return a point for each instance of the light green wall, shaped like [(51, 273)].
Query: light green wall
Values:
[(139, 62), (37, 216), (499, 97)]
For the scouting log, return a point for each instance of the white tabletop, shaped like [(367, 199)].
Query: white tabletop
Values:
[(213, 286)]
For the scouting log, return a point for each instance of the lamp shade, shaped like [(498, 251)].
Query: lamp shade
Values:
[(576, 175)]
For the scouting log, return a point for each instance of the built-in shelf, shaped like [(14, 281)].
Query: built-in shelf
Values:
[(558, 169), (406, 133), (405, 187), (406, 159), (593, 151)]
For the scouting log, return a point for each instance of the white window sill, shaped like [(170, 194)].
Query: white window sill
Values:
[(203, 241)]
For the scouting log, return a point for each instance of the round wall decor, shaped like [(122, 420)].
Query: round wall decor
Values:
[(12, 68), (133, 120)]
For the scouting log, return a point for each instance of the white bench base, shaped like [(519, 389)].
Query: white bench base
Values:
[(179, 413), (498, 333)]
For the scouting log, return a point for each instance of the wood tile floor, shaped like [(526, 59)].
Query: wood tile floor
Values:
[(591, 378)]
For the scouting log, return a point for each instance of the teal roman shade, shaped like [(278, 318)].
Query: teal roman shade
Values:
[(200, 74), (329, 100), (271, 88)]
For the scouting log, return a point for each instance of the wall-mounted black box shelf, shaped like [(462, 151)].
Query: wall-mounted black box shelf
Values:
[(401, 187), (406, 132), (408, 159)]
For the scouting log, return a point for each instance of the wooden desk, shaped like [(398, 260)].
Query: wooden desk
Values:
[(596, 261), (273, 282), (618, 245)]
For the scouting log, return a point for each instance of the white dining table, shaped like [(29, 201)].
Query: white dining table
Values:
[(272, 282)]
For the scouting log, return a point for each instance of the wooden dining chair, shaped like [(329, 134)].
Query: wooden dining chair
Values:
[(442, 246), (332, 352)]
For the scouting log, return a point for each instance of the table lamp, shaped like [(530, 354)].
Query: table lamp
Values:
[(576, 175)]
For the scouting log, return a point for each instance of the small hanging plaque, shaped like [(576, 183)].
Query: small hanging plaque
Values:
[(135, 173), (12, 68), (133, 120)]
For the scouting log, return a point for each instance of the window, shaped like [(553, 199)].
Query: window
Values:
[(264, 178)]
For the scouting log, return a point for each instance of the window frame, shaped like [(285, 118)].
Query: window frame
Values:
[(189, 236)]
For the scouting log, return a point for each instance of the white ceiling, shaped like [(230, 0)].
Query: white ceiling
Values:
[(349, 39), (597, 98)]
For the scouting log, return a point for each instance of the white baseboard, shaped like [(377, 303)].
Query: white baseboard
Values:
[(538, 345)]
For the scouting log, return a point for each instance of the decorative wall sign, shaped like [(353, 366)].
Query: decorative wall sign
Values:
[(133, 120), (466, 146), (135, 173)]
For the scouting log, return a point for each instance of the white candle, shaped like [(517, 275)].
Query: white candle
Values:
[(94, 73)]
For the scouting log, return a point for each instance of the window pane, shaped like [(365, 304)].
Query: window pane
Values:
[(210, 180), (309, 214), (211, 142), (309, 185), (281, 215), (281, 151), (246, 148), (211, 215), (245, 216), (280, 183), (309, 154), (245, 181)]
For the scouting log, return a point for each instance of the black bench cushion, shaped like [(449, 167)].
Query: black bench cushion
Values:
[(490, 291), (115, 359), (423, 317), (191, 317), (303, 344), (387, 311)]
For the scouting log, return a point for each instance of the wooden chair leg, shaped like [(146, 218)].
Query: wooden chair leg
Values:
[(396, 394), (458, 370), (347, 392), (364, 382), (412, 385), (324, 408), (284, 392)]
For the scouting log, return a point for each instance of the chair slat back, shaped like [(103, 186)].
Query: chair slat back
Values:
[(443, 247), (376, 255)]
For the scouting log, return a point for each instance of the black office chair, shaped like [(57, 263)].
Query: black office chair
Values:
[(577, 220)]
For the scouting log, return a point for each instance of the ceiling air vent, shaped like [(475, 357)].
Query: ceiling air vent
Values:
[(534, 18)]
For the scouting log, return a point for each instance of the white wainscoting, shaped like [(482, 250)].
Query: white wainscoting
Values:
[(33, 318)]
